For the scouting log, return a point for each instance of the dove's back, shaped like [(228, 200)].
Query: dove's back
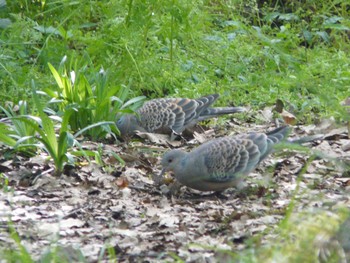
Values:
[(221, 163)]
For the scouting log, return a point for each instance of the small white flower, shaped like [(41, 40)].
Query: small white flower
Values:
[(72, 76), (64, 59), (102, 71)]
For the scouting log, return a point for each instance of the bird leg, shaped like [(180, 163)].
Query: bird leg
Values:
[(175, 134)]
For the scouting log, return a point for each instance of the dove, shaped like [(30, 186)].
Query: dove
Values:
[(171, 115), (223, 162)]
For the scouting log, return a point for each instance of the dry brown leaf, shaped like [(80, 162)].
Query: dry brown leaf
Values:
[(288, 117), (160, 139), (346, 147), (122, 182), (336, 134), (200, 137), (265, 114), (326, 125), (70, 223)]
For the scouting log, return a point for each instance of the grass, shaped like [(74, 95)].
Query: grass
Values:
[(311, 231), (190, 49), (96, 59)]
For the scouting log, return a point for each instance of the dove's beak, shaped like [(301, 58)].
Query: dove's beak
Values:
[(159, 178), (164, 171)]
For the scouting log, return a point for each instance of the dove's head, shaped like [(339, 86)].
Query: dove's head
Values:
[(172, 160), (127, 124)]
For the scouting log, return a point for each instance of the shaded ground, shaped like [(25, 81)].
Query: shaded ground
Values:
[(119, 207)]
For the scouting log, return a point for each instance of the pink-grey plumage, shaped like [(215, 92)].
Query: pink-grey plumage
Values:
[(172, 115), (221, 163)]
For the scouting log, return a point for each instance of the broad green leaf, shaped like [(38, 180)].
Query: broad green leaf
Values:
[(116, 156), (20, 141), (5, 135), (49, 135), (93, 126), (133, 101), (56, 75)]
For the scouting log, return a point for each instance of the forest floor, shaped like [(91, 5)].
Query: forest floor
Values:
[(95, 210)]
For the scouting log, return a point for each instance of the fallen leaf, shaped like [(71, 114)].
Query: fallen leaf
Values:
[(336, 134), (326, 125), (71, 222), (265, 114), (161, 139), (346, 147), (122, 182), (168, 220), (200, 137), (288, 117)]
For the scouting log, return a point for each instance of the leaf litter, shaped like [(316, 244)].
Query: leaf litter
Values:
[(94, 208)]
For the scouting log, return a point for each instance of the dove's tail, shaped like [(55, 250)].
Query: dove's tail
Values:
[(266, 145), (278, 134), (218, 111), (281, 133)]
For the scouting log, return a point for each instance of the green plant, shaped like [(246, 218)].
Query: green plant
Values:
[(92, 101), (44, 126), (6, 135), (15, 255), (56, 147), (4, 183), (65, 254), (20, 129), (53, 253)]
